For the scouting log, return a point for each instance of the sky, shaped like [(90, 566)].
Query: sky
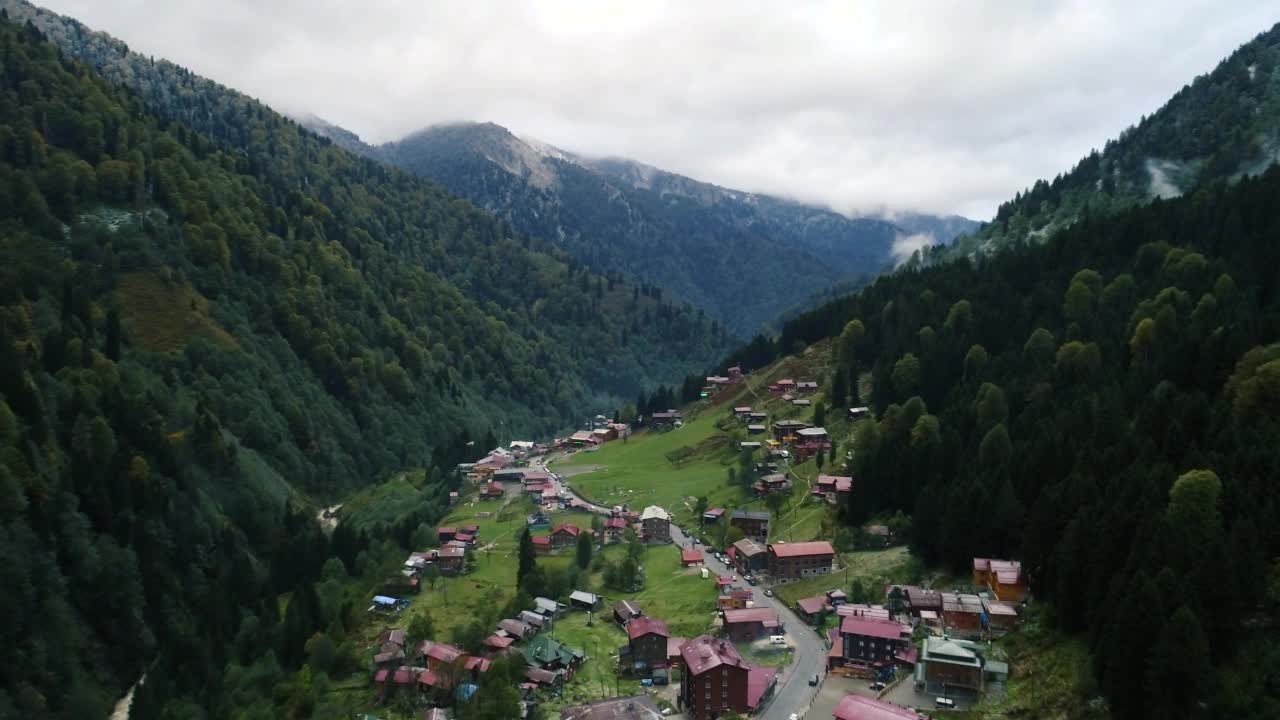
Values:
[(934, 106)]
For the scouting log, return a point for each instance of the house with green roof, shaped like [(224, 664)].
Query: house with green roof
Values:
[(950, 666), (548, 654)]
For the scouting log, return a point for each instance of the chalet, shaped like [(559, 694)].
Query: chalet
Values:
[(584, 438), (605, 434), (962, 615), (755, 429), (785, 429), (872, 641), (921, 600), (497, 643), (639, 707), (450, 559), (807, 386), (656, 524), (547, 654), (734, 600), (950, 664), (545, 679), (712, 515), (742, 412), (857, 413), (492, 491), (548, 607), (757, 417), (877, 612), (772, 483), (715, 665), (794, 561), (749, 445), (753, 523), (1001, 616), (751, 623), (509, 474), (690, 558), (445, 534), (534, 491), (400, 585), (813, 609), (536, 477), (615, 530), (514, 629), (782, 386), (391, 648), (750, 556), (537, 621), (401, 679), (801, 402), (836, 597), (812, 434), (1003, 578), (464, 538), (666, 419), (646, 644), (541, 544), (626, 611), (563, 536), (859, 707), (584, 600)]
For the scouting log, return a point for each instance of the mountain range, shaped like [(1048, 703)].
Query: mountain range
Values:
[(743, 257), (1221, 126)]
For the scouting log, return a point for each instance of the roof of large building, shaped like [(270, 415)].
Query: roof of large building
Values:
[(749, 547), (759, 614), (758, 681), (644, 625), (800, 549), (707, 653), (652, 512), (639, 707), (812, 605), (938, 649), (872, 627), (858, 707), (750, 515)]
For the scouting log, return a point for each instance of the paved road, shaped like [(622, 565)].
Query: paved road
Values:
[(793, 693)]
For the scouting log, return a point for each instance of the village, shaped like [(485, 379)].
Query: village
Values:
[(731, 613)]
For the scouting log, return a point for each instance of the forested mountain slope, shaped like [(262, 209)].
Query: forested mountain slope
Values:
[(743, 257), (1223, 124), (198, 327), (1104, 407)]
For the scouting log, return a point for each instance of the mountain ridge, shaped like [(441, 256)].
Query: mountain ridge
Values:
[(661, 227)]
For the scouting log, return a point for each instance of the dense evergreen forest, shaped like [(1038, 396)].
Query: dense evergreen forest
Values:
[(198, 327), (1223, 124), (1103, 407)]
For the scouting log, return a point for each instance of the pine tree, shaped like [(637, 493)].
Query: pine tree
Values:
[(1178, 669), (584, 549), (528, 557)]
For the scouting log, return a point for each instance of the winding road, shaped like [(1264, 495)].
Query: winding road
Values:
[(793, 694)]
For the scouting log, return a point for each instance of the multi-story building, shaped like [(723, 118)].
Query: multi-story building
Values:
[(794, 561)]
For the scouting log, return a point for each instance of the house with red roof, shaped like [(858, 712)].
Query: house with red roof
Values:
[(690, 558), (718, 681), (646, 644), (615, 530), (813, 609), (541, 544), (794, 561), (497, 643), (872, 641), (858, 707), (734, 599), (749, 624), (492, 491), (564, 536)]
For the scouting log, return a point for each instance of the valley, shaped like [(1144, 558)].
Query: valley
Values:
[(463, 425)]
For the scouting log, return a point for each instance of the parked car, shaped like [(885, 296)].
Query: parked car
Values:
[(768, 593), (877, 685), (814, 680), (751, 581)]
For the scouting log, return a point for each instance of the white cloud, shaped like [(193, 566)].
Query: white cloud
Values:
[(938, 106), (905, 245)]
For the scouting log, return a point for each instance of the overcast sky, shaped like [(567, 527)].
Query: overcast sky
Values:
[(936, 106)]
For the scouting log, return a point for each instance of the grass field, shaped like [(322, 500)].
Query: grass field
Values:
[(637, 473), (893, 565)]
